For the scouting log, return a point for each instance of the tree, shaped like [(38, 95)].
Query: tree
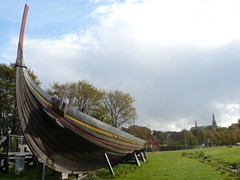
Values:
[(209, 137), (188, 138), (138, 131), (202, 136), (65, 90), (8, 106), (120, 108), (115, 108), (82, 95), (8, 110), (232, 137), (160, 136), (88, 97), (57, 89)]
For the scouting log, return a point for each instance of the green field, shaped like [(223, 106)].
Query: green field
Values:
[(191, 164), (210, 163)]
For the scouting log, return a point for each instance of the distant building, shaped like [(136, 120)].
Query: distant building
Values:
[(214, 123), (213, 126), (152, 142)]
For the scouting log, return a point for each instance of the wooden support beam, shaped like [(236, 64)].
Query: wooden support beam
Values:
[(40, 175), (142, 156), (145, 156), (131, 158), (109, 164), (136, 159)]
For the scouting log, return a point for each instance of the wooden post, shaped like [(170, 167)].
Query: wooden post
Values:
[(142, 156), (6, 162), (40, 171), (136, 159), (7, 156), (7, 144), (109, 164)]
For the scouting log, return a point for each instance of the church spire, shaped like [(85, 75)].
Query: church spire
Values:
[(214, 123)]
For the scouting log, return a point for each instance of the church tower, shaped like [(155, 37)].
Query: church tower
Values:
[(214, 123)]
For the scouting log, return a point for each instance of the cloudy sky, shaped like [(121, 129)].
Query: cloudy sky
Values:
[(179, 59)]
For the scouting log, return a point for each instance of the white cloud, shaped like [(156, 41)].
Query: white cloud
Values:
[(59, 59), (205, 23), (228, 113)]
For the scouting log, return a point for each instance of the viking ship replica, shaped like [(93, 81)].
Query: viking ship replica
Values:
[(61, 137)]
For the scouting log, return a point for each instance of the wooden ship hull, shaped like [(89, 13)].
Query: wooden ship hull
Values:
[(65, 140)]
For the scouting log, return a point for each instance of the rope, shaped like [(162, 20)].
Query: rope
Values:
[(17, 65)]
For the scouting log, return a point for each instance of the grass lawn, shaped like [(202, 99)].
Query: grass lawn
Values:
[(28, 174), (229, 155), (209, 163), (172, 165)]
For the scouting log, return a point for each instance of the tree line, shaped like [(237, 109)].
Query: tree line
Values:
[(208, 137)]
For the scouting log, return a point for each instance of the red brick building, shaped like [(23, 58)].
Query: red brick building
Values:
[(152, 142)]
